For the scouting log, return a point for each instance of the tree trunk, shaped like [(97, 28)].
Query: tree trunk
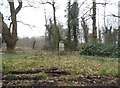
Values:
[(69, 27), (55, 23), (75, 40), (94, 38), (56, 40), (100, 38), (9, 39), (85, 30), (11, 47), (119, 42)]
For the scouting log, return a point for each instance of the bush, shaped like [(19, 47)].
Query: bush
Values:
[(100, 50)]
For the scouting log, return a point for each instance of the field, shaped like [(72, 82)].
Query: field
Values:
[(49, 69)]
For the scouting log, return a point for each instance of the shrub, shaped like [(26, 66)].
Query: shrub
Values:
[(100, 50)]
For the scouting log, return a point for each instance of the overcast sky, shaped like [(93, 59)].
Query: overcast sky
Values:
[(35, 16)]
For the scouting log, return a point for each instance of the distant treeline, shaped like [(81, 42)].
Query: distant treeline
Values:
[(30, 43)]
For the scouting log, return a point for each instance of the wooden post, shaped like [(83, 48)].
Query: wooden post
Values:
[(34, 42)]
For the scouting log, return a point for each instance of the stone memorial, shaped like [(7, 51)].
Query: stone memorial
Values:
[(61, 48)]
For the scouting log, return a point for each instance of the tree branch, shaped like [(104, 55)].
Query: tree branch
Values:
[(115, 15), (31, 4), (87, 11), (26, 24), (44, 2), (11, 7), (82, 3), (47, 3), (10, 25), (19, 7)]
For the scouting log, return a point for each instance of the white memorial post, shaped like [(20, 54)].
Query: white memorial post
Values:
[(1, 50), (61, 47)]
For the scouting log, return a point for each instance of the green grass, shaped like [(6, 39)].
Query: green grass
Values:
[(74, 64), (18, 55)]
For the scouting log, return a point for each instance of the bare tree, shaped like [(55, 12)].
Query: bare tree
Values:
[(57, 35), (9, 34)]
